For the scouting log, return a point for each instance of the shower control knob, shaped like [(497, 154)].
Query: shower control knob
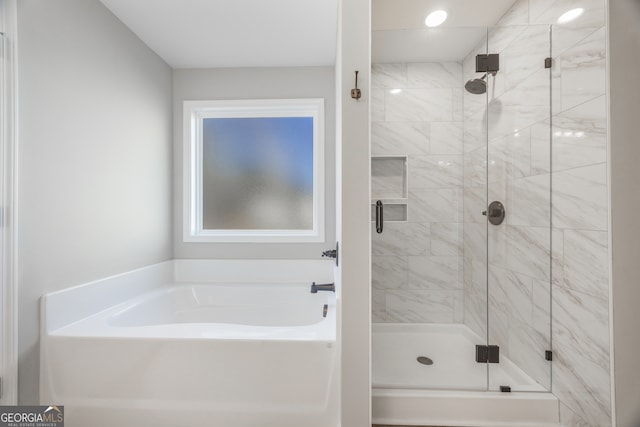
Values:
[(330, 253), (495, 213), (484, 213)]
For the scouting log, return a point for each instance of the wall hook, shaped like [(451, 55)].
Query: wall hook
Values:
[(355, 93)]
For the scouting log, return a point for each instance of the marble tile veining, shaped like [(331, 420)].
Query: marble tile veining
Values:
[(378, 305), (510, 156), (447, 137), (542, 307), (501, 36), (568, 418), (518, 14), (586, 262), (475, 311), (400, 138), (475, 202), (435, 171), (540, 148), (511, 293), (408, 306), (446, 239), (498, 324), (418, 238), (579, 198), (435, 205), (415, 105), (580, 135), (581, 327), (526, 348), (475, 167), (525, 55), (529, 201), (389, 272), (429, 75), (458, 104), (528, 251), (583, 71), (431, 272), (388, 76), (393, 241), (520, 107), (587, 395), (377, 105)]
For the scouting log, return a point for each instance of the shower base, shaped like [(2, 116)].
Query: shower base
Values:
[(451, 391)]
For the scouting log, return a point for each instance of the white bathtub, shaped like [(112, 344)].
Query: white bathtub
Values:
[(195, 349)]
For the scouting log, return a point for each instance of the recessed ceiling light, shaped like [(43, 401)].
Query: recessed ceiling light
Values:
[(435, 18), (570, 15)]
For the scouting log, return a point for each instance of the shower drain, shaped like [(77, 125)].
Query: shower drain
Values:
[(425, 360)]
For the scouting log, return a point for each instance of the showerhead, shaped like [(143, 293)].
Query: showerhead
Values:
[(476, 86)]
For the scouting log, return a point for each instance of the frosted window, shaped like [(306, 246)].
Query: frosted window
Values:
[(254, 171), (258, 173)]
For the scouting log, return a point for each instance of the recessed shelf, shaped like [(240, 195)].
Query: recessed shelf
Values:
[(389, 177), (394, 212)]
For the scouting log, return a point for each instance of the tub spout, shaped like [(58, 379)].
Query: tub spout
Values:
[(326, 287)]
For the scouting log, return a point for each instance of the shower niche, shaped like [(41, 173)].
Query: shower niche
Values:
[(389, 176)]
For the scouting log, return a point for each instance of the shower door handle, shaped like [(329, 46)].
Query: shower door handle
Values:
[(379, 216)]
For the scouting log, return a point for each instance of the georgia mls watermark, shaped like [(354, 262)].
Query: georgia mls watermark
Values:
[(31, 416)]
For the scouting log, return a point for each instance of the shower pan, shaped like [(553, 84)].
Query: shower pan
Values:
[(461, 277)]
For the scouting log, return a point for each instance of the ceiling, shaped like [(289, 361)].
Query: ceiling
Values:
[(399, 34), (272, 33), (234, 33)]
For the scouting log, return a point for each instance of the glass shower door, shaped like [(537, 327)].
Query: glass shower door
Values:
[(518, 160), (429, 250)]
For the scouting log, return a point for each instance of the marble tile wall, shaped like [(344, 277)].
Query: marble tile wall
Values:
[(417, 264), (552, 252)]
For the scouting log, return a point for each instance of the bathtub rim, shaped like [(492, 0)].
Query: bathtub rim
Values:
[(114, 317), (98, 325), (63, 311)]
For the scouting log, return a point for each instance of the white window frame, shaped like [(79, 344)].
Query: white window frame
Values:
[(194, 114)]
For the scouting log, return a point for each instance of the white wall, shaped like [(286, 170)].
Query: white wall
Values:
[(94, 157), (624, 56), (254, 83), (354, 53)]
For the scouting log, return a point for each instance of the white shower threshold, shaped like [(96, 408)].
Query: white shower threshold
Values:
[(453, 390)]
